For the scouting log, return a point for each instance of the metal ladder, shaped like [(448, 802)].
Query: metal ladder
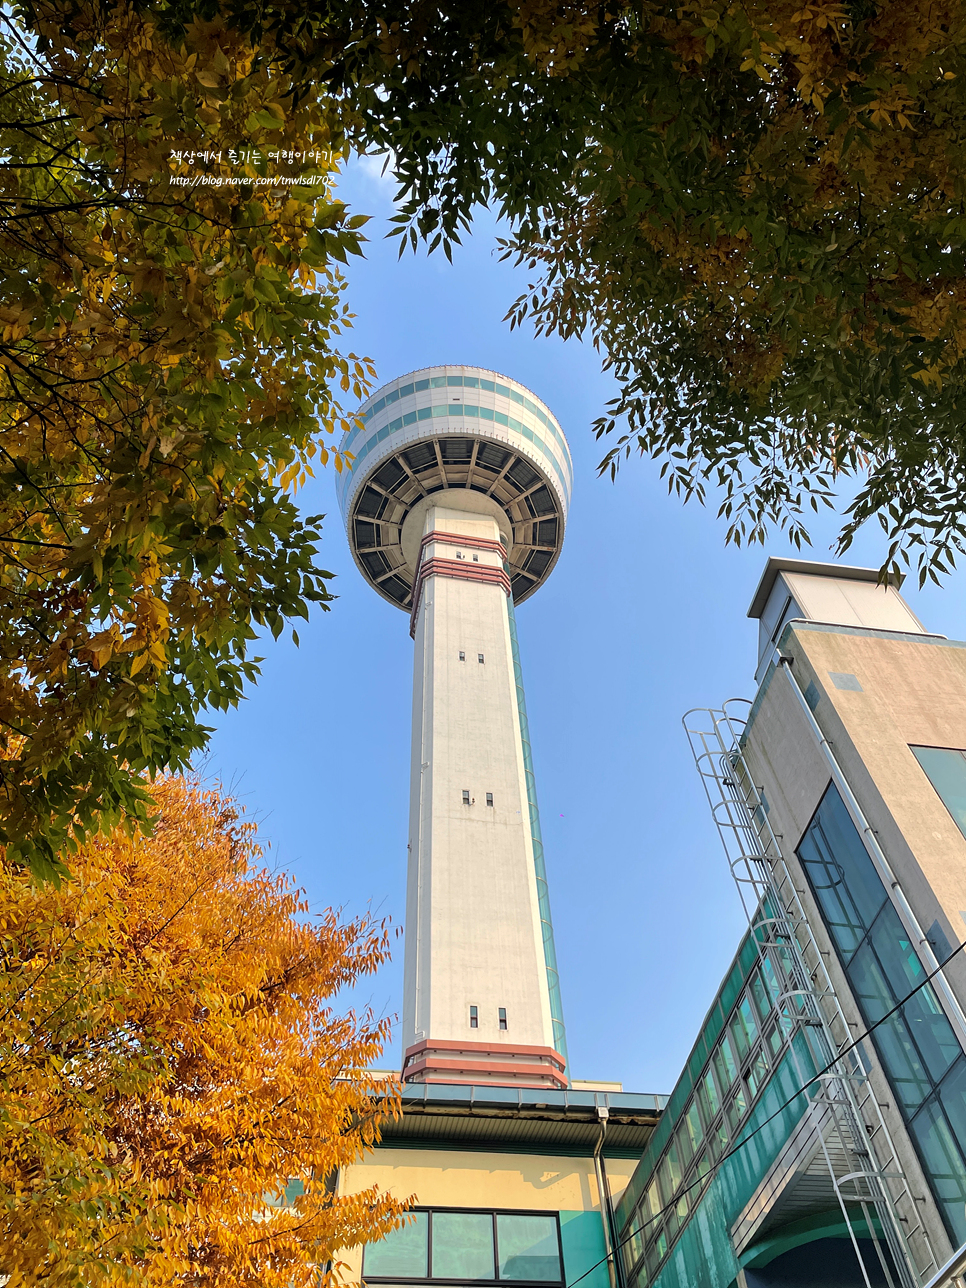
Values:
[(843, 1096)]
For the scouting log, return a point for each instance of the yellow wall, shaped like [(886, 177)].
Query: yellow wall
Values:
[(451, 1178)]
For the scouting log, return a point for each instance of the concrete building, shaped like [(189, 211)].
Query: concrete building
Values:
[(817, 1135), (455, 509)]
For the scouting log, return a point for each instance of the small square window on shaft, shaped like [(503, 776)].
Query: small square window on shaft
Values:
[(502, 1015), (462, 656), (476, 558), (489, 798), (479, 657), (466, 798), (474, 1017)]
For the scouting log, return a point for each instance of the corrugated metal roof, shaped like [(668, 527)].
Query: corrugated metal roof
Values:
[(522, 1120)]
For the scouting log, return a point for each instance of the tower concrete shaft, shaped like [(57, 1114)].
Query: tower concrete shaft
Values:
[(477, 1001), (455, 508)]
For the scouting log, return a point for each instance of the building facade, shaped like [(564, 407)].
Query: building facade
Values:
[(818, 1133)]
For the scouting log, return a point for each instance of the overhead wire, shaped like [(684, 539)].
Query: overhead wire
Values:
[(829, 1068)]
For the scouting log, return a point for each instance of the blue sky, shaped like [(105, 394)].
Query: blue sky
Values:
[(643, 618)]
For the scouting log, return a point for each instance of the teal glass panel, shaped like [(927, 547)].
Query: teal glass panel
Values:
[(500, 418), (425, 413), (487, 384), (404, 1253), (761, 994), (517, 398), (725, 1064), (711, 1092), (377, 407), (746, 1015), (406, 391), (462, 1245), (529, 1249), (452, 381), (486, 413), (758, 1072), (674, 1167), (504, 390), (685, 1145), (931, 1031), (739, 1037), (693, 1120), (946, 770), (438, 382), (393, 397), (421, 385), (943, 1163), (845, 882), (471, 382), (470, 410), (409, 418)]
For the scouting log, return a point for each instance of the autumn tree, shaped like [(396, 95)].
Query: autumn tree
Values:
[(171, 1064), (753, 207), (169, 370)]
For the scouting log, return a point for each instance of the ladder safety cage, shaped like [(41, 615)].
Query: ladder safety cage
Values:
[(854, 1129)]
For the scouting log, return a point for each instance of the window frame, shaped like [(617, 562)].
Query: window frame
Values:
[(463, 1281)]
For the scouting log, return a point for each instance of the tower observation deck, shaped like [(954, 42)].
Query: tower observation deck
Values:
[(455, 509)]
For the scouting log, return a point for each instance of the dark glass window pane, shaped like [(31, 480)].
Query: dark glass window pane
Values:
[(762, 999), (693, 1120), (944, 1165), (462, 1245), (931, 1031), (711, 1092), (846, 884), (724, 1063), (952, 1095), (946, 770), (898, 1052), (528, 1248), (403, 1253)]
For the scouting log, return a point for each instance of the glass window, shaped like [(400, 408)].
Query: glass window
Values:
[(462, 1245), (711, 1091), (685, 1148), (403, 1252), (841, 873), (725, 1064), (946, 770), (740, 1037), (474, 1017), (693, 1121), (916, 1045), (757, 1072), (674, 1166), (654, 1199), (501, 1016), (737, 1109), (762, 998), (943, 1164), (528, 1248)]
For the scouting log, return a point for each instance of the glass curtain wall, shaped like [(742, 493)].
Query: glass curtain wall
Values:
[(917, 1046), (469, 1247)]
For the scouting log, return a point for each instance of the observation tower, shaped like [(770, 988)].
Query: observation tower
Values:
[(455, 509)]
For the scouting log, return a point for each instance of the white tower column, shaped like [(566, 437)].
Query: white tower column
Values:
[(477, 1001), (455, 508)]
